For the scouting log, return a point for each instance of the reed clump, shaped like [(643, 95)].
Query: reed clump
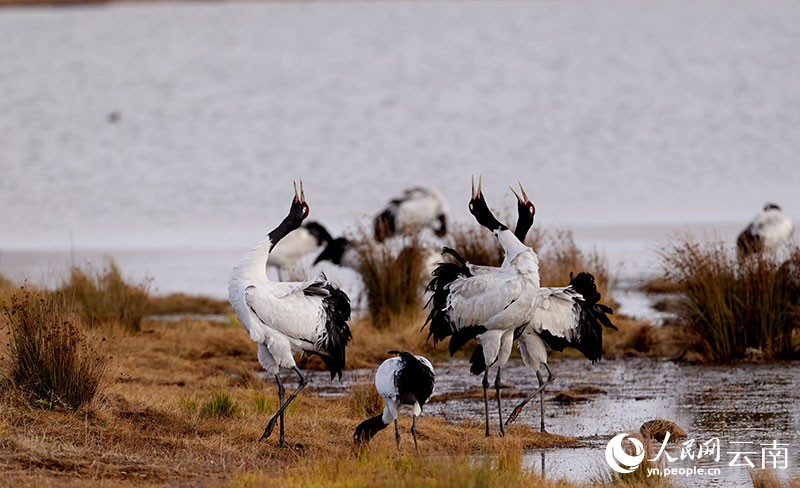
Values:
[(48, 358), (103, 297), (736, 305), (393, 279)]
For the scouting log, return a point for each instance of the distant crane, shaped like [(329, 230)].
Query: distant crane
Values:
[(491, 303), (417, 208), (567, 316), (284, 318), (403, 380), (768, 232), (309, 238)]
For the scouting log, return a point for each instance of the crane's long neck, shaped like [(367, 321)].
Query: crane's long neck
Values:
[(524, 225), (255, 262), (511, 245)]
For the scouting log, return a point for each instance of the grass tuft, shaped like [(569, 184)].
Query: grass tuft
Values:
[(49, 359), (104, 297), (393, 281), (221, 405), (736, 306)]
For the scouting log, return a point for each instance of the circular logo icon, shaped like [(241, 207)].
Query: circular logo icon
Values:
[(619, 460)]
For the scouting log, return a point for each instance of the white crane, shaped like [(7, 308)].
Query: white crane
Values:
[(309, 238), (416, 209), (567, 316), (284, 318), (403, 380), (768, 232), (491, 304)]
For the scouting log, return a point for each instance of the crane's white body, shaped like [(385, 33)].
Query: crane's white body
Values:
[(773, 228), (386, 384), (417, 209), (501, 299), (558, 312), (279, 316), (294, 246)]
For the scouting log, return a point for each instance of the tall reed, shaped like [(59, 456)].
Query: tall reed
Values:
[(49, 358), (736, 304), (393, 280), (104, 297)]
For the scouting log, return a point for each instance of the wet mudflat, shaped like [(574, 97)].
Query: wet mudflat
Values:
[(745, 407)]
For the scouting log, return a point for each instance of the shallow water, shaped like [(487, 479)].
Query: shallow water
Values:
[(757, 403), (130, 125)]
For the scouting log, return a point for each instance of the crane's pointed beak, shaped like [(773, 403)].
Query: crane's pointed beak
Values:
[(302, 192), (524, 195), (296, 197), (519, 199)]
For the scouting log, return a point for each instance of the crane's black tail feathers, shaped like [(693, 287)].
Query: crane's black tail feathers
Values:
[(592, 318), (336, 307), (415, 377), (477, 363), (439, 324), (464, 335)]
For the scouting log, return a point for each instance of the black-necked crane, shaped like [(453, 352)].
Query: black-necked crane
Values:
[(403, 380), (768, 232), (490, 304), (418, 208), (284, 318), (568, 316)]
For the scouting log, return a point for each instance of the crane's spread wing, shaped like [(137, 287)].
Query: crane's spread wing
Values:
[(474, 300), (558, 312)]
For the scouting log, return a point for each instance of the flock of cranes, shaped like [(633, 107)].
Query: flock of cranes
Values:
[(496, 306)]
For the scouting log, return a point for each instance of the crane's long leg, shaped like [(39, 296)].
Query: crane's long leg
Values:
[(497, 382), (396, 434), (279, 413), (281, 397), (486, 397), (541, 401), (518, 408), (414, 432)]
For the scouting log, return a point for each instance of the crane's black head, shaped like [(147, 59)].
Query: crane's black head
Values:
[(480, 210), (334, 251), (525, 214), (299, 209), (297, 213), (367, 429), (771, 206)]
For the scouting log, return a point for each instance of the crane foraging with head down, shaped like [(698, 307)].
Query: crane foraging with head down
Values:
[(284, 318), (403, 380), (489, 303)]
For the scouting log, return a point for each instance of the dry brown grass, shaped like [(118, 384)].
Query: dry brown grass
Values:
[(180, 303), (50, 360), (736, 305), (148, 427), (103, 297)]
